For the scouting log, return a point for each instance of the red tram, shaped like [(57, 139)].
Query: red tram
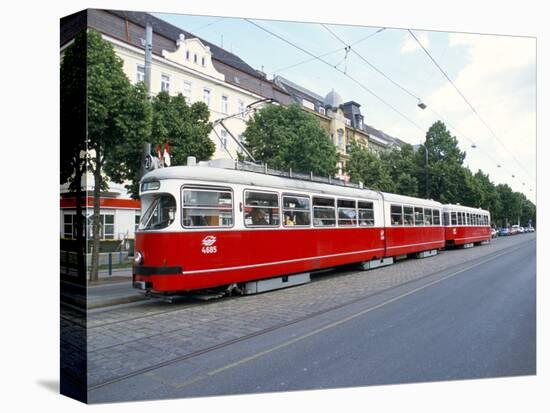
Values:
[(465, 226), (205, 227)]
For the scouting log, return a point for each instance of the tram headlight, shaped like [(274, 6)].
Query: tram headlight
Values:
[(138, 258)]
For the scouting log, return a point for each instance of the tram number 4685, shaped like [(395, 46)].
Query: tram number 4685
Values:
[(209, 250), (208, 246)]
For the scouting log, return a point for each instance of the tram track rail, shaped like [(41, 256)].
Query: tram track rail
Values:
[(451, 269)]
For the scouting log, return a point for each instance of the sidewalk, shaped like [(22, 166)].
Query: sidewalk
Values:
[(107, 291)]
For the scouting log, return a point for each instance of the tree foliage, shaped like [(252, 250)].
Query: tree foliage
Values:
[(185, 128), (367, 167), (287, 137), (436, 170)]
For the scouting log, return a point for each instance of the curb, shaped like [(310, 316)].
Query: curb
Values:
[(90, 305)]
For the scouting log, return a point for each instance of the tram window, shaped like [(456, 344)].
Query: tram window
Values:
[(261, 209), (365, 213), (453, 218), (436, 217), (427, 216), (467, 222), (347, 213), (296, 211), (160, 214), (459, 218), (446, 221), (408, 216), (418, 216), (463, 218), (396, 215), (323, 212), (207, 208)]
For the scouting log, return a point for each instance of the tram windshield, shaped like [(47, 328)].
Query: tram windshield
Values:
[(160, 214)]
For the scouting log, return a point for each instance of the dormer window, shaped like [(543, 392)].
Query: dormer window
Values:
[(203, 62), (195, 58), (187, 54)]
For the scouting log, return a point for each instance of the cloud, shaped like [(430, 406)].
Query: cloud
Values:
[(499, 80), (410, 45)]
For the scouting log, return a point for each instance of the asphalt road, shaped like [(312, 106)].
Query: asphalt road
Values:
[(475, 321)]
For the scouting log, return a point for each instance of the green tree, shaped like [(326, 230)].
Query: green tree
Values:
[(107, 94), (442, 176), (73, 134), (287, 137), (185, 128), (367, 167), (123, 162), (403, 170)]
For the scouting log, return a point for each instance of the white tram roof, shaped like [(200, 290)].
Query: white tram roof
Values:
[(217, 176), (409, 200), (462, 208)]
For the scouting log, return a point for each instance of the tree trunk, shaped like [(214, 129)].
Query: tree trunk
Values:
[(94, 274)]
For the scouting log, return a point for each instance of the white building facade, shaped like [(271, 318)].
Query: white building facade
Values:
[(189, 70)]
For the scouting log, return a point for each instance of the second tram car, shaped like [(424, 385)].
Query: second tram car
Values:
[(466, 226), (205, 227)]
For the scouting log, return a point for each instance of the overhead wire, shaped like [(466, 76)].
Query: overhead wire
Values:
[(326, 54), (340, 39), (468, 103), (361, 85)]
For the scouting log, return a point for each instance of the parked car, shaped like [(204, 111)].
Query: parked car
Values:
[(521, 230), (494, 233), (514, 229), (504, 231)]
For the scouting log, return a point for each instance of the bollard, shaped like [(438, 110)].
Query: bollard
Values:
[(110, 263)]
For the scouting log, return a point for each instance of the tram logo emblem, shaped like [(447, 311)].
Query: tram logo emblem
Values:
[(382, 234), (454, 231), (208, 246)]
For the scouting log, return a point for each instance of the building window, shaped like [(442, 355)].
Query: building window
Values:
[(137, 218), (203, 62), (68, 228), (106, 226), (187, 90), (340, 133), (195, 58), (261, 209), (187, 55), (307, 104), (223, 139), (225, 104), (241, 108), (140, 73), (322, 110), (165, 83), (206, 96)]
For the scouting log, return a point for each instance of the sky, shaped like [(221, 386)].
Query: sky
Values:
[(496, 75)]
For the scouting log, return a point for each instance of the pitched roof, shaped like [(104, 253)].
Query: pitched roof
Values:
[(172, 32)]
